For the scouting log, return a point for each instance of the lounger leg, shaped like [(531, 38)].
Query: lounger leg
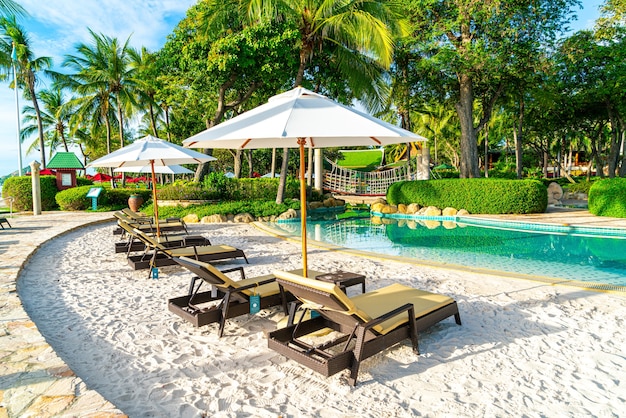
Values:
[(457, 318), (413, 330), (225, 303), (358, 354)]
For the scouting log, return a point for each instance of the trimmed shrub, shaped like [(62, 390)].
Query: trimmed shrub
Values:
[(607, 197), (256, 208), (21, 189), (74, 198), (82, 181), (487, 196)]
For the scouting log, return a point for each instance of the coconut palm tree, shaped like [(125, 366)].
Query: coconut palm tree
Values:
[(55, 116), (348, 28), (10, 7), (27, 66)]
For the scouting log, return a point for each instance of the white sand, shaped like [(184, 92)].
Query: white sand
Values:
[(525, 348)]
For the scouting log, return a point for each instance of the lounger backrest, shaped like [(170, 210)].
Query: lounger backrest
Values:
[(148, 240), (317, 294), (131, 214), (126, 227), (206, 272)]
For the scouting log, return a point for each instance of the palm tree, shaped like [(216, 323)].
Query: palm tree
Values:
[(10, 7), (27, 66), (104, 81), (55, 117), (343, 26), (144, 64)]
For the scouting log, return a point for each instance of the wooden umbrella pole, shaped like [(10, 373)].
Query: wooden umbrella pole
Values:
[(301, 142), (154, 201)]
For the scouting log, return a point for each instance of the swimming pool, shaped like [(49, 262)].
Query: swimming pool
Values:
[(551, 251)]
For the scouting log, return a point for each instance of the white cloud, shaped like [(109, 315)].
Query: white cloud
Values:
[(55, 27)]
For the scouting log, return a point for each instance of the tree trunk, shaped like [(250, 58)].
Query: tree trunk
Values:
[(280, 194), (469, 147), (39, 124), (237, 164), (614, 142), (519, 131)]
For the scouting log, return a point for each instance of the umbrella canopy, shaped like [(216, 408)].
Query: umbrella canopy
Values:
[(300, 118), (100, 177), (172, 169), (153, 152)]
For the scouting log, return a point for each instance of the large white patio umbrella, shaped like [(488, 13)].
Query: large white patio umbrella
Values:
[(152, 152), (300, 118)]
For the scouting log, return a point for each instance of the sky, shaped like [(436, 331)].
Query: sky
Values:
[(55, 27)]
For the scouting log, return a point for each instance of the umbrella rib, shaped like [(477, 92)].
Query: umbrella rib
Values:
[(376, 140)]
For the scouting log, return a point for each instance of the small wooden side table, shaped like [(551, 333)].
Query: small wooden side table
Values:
[(344, 279)]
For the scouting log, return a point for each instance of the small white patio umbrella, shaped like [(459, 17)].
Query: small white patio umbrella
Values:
[(152, 152), (301, 119), (166, 169)]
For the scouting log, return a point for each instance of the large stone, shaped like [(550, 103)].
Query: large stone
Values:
[(211, 219), (432, 211), (316, 205), (289, 214), (555, 193), (191, 218), (377, 206), (462, 212), (402, 208), (412, 208), (390, 209), (245, 218), (449, 212)]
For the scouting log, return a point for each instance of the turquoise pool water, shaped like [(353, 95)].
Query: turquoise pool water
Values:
[(557, 252)]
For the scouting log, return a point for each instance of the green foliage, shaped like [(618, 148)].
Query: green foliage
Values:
[(256, 208), (580, 187), (217, 186), (82, 181), (490, 196), (21, 189), (109, 199), (183, 190), (607, 197), (74, 198)]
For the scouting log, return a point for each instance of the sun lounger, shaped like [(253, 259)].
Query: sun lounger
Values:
[(149, 227), (142, 218), (176, 239), (160, 255), (3, 221), (366, 323), (230, 298)]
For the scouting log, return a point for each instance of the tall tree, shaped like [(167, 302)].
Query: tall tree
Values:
[(346, 26), (477, 46), (27, 68), (55, 117)]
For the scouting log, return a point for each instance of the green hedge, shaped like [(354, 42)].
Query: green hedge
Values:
[(607, 197), (487, 196), (76, 198), (216, 186), (256, 208), (21, 189)]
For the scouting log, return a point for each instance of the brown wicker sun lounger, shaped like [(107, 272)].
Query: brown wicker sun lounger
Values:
[(159, 255), (172, 239), (148, 226), (366, 323), (3, 221), (231, 297)]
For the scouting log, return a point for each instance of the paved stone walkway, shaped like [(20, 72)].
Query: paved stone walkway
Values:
[(34, 381)]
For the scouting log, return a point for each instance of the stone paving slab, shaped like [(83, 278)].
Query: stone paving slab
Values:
[(34, 381)]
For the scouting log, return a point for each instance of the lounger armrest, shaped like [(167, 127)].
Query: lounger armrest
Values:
[(387, 316), (242, 274), (251, 285)]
